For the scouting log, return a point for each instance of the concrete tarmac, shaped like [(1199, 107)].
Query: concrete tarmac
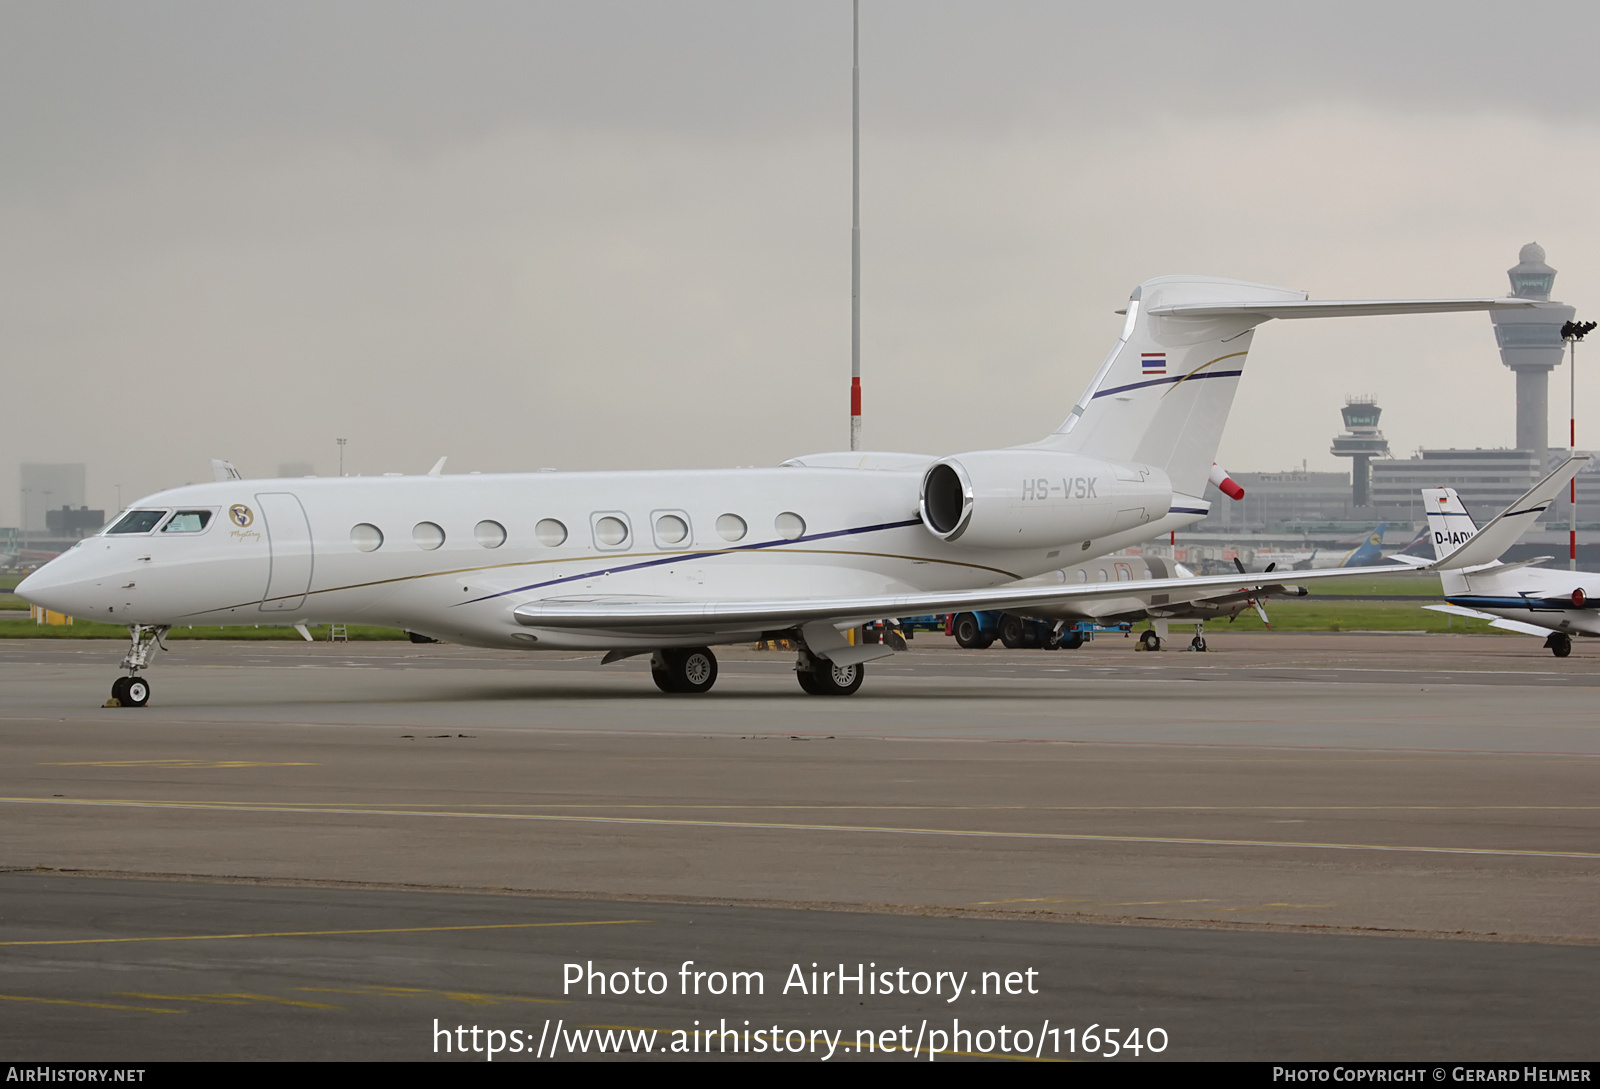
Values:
[(1401, 808)]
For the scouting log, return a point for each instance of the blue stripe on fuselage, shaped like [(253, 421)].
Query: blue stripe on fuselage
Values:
[(680, 557)]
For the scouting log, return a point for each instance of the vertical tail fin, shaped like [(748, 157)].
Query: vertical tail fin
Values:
[(1163, 395), (1449, 524)]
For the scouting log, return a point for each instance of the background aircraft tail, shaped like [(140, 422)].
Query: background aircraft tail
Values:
[(1370, 551), (1449, 524)]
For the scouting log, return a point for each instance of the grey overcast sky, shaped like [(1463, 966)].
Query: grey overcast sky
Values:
[(614, 234)]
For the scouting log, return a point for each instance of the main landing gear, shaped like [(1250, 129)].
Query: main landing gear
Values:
[(133, 690), (693, 670), (820, 677), (681, 671), (1559, 643)]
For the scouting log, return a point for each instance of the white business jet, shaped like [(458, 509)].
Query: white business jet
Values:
[(1513, 596), (670, 563)]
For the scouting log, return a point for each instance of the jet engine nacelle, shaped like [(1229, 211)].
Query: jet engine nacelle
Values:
[(1038, 498)]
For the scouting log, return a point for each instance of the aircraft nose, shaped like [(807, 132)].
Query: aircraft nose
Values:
[(49, 589)]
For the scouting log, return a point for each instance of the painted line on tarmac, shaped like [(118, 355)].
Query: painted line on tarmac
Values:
[(467, 808), (319, 933), (90, 1005), (431, 808), (1185, 841)]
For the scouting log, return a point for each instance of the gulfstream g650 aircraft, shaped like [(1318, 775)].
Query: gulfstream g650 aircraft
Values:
[(670, 563)]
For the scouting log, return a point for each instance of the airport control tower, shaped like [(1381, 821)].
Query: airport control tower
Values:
[(1531, 345), (1361, 442)]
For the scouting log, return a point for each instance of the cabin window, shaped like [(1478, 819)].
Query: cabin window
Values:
[(610, 530), (138, 521), (1103, 576), (730, 527), (490, 534), (427, 535), (1083, 576), (671, 530), (188, 521), (790, 526), (550, 532), (366, 537)]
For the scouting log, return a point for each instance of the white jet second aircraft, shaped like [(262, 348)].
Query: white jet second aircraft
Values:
[(671, 563), (1514, 596)]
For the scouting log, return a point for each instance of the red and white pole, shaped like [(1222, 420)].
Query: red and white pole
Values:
[(855, 227)]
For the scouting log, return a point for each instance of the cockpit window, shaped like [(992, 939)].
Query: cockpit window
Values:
[(187, 521), (138, 521)]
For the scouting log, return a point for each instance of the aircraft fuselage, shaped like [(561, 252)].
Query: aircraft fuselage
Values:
[(451, 556)]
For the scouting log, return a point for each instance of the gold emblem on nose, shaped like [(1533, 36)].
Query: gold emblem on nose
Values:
[(241, 515)]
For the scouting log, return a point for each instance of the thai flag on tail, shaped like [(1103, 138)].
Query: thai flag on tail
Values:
[(1154, 362)]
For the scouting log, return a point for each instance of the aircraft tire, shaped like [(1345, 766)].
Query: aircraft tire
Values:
[(838, 680), (119, 690), (1197, 643), (690, 671), (808, 682), (1560, 644), (969, 633), (1150, 639), (137, 692)]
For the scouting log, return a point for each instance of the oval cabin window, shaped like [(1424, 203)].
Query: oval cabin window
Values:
[(730, 527), (550, 532), (427, 535), (366, 537), (670, 529), (790, 526), (610, 531), (490, 534)]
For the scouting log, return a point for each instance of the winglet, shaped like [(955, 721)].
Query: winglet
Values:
[(224, 470), (1490, 542), (438, 466)]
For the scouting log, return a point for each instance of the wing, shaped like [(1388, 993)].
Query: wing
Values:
[(1487, 545), (662, 616), (1335, 308)]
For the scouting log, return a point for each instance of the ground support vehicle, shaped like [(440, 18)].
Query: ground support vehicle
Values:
[(977, 630)]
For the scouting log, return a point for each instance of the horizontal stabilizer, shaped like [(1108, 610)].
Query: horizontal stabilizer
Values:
[(1487, 545), (1494, 621), (1334, 308)]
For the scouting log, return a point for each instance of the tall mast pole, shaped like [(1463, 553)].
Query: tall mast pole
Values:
[(855, 227)]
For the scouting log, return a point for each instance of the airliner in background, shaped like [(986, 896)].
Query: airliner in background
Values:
[(672, 563), (1369, 551)]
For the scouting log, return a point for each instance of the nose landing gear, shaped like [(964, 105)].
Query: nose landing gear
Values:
[(133, 690)]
